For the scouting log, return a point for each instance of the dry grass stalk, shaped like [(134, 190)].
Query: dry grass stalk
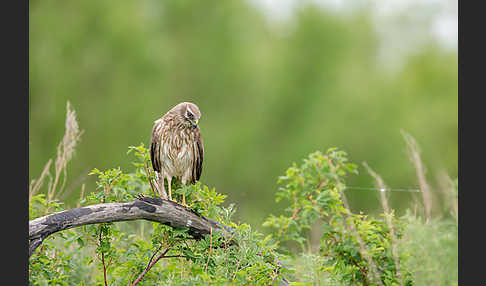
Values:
[(81, 195), (36, 184), (416, 204), (384, 203), (65, 151), (447, 188), (362, 247), (414, 153), (74, 184)]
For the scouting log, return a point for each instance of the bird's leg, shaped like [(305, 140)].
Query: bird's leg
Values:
[(160, 185), (169, 184), (184, 182), (184, 199)]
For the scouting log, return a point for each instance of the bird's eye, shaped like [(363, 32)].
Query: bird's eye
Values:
[(190, 115)]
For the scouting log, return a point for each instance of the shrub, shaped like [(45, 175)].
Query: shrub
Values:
[(354, 249)]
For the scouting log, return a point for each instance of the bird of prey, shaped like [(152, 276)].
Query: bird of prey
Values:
[(176, 147)]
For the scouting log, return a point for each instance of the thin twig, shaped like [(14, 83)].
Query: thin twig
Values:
[(149, 178), (153, 255), (151, 264), (103, 261), (234, 273), (175, 256), (210, 247)]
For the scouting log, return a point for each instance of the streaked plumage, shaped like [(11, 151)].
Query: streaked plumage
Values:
[(176, 147)]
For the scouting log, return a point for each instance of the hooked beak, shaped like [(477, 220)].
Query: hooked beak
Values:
[(195, 123)]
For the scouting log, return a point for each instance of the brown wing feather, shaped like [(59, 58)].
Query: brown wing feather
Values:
[(199, 154), (155, 148)]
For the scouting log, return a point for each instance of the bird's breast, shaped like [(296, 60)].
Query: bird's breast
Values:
[(177, 152)]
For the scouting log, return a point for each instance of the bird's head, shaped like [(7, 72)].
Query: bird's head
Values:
[(190, 114)]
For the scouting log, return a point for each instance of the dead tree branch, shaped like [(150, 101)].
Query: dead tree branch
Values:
[(146, 208)]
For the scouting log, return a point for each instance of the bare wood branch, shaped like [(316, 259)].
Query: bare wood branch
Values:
[(145, 208)]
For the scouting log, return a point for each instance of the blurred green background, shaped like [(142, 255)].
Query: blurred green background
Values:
[(271, 90)]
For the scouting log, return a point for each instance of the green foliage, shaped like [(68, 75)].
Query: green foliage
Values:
[(350, 247), (431, 250), (39, 206), (314, 191), (50, 266), (124, 255), (350, 243)]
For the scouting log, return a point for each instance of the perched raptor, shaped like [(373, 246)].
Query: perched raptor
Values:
[(176, 147)]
